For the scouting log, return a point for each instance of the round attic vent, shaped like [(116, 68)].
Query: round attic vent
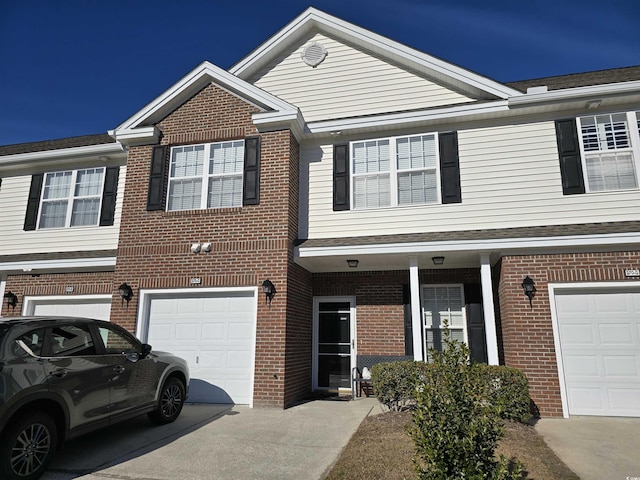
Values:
[(314, 54)]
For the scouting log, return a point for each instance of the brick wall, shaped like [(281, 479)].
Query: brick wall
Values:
[(87, 283), (527, 333), (249, 243), (379, 302)]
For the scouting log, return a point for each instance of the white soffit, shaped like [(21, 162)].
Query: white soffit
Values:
[(192, 83), (313, 19)]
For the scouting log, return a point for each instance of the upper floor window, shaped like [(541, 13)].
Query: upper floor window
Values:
[(71, 198), (611, 150), (206, 176), (395, 171)]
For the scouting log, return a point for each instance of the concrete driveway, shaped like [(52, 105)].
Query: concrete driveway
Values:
[(211, 442), (595, 448)]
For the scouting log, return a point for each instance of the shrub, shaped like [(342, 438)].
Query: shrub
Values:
[(456, 430), (508, 390), (394, 383)]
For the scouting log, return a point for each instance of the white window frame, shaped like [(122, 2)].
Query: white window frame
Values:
[(71, 197), (633, 127), (465, 333), (394, 171), (205, 176)]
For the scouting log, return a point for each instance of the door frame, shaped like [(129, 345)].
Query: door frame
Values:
[(352, 329), (556, 289)]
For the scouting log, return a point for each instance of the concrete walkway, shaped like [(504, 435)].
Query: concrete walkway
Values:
[(210, 442), (595, 448)]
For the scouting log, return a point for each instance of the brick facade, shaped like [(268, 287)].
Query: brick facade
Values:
[(249, 243), (527, 333)]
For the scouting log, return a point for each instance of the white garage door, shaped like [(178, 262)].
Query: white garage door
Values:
[(215, 334), (99, 308), (600, 347)]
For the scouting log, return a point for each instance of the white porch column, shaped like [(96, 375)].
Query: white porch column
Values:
[(489, 312), (416, 317)]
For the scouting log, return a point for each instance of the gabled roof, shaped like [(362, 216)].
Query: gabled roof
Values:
[(313, 20), (139, 127)]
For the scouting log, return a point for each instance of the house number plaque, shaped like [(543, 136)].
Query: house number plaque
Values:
[(632, 273)]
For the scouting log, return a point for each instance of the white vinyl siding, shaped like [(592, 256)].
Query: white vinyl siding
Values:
[(71, 198), (15, 240), (510, 175), (349, 82), (611, 151), (198, 184)]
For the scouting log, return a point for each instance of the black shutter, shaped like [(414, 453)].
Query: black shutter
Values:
[(155, 195), (251, 187), (109, 191), (449, 168), (569, 153), (33, 202), (341, 177)]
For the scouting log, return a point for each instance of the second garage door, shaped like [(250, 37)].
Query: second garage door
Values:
[(600, 347), (215, 333)]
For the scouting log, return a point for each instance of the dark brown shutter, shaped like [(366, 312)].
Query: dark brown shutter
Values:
[(108, 210), (251, 187), (157, 173), (33, 201), (569, 153), (341, 177), (449, 168)]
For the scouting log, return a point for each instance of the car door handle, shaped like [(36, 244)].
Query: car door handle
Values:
[(59, 373), (118, 369)]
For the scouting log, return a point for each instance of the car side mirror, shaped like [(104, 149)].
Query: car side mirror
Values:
[(146, 350)]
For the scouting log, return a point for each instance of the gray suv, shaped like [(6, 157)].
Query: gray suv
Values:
[(62, 377)]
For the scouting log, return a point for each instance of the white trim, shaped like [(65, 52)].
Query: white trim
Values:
[(558, 289), (352, 329), (488, 310), (29, 301), (463, 312), (191, 83), (576, 93), (70, 263), (144, 303), (416, 309), (52, 156), (312, 19), (407, 119), (481, 246)]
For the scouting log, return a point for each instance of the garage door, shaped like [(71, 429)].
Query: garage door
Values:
[(600, 347), (71, 307), (215, 334)]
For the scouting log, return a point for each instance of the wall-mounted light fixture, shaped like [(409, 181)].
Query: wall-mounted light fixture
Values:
[(353, 263), (11, 299), (529, 288), (195, 248), (269, 290), (126, 293), (437, 260)]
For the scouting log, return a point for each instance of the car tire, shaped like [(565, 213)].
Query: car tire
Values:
[(27, 447), (170, 402)]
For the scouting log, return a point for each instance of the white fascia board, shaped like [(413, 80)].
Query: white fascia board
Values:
[(63, 264), (188, 85), (472, 245), (369, 40), (269, 121), (138, 136), (408, 118), (569, 94), (103, 149)]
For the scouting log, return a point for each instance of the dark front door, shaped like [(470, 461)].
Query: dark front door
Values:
[(334, 345)]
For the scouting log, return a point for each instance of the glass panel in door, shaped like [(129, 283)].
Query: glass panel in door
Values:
[(334, 345)]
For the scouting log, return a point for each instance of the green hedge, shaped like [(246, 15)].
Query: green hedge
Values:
[(507, 388)]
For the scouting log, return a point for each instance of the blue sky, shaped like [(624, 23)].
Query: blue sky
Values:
[(79, 67)]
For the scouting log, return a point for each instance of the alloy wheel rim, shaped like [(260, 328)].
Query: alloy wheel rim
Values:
[(171, 400), (30, 449)]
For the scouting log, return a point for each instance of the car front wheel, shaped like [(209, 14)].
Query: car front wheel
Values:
[(172, 397), (27, 447)]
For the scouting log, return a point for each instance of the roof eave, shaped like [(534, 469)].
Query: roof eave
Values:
[(53, 156), (573, 94)]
